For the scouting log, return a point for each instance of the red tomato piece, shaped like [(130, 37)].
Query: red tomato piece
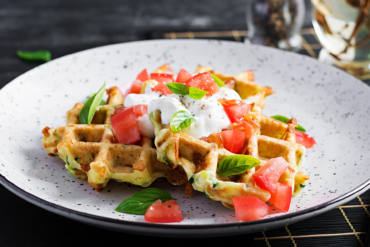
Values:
[(282, 196), (304, 139), (235, 109), (125, 126), (268, 175), (162, 88), (143, 76), (183, 76), (250, 208), (233, 140), (159, 77), (165, 212), (244, 126), (134, 88), (140, 110), (205, 82)]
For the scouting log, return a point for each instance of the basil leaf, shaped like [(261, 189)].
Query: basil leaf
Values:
[(196, 93), (218, 81), (178, 88), (302, 186), (42, 55), (236, 164), (181, 120), (285, 119), (88, 110), (139, 202), (102, 102)]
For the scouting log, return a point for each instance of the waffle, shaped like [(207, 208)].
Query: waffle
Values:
[(200, 159), (90, 152), (243, 84)]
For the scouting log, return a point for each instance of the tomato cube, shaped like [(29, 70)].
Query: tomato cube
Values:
[(125, 127), (162, 88), (250, 208), (205, 82), (159, 77), (183, 76), (143, 76), (140, 110), (244, 126), (304, 139), (235, 109), (233, 140), (282, 196), (165, 212), (268, 175)]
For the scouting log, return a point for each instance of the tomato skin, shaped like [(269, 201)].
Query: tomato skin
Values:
[(165, 212), (250, 208), (235, 109), (135, 87), (244, 126), (203, 81), (304, 139), (159, 77), (282, 196), (125, 127), (183, 76), (140, 110), (143, 75), (268, 175)]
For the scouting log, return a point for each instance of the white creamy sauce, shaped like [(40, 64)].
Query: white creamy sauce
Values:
[(209, 114)]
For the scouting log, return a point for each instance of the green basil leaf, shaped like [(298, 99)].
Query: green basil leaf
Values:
[(285, 119), (218, 81), (236, 164), (102, 102), (196, 93), (302, 186), (42, 55), (139, 202), (181, 120), (178, 88), (88, 110)]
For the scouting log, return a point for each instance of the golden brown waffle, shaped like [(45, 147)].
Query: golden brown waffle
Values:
[(243, 84), (200, 159), (90, 152)]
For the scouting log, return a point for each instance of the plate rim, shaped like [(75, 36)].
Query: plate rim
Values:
[(327, 205)]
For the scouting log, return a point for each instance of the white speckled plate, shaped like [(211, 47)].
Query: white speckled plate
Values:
[(333, 106)]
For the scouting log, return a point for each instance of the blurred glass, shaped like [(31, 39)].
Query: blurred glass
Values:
[(275, 23), (343, 26)]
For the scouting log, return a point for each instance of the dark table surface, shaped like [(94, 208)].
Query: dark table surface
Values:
[(65, 27)]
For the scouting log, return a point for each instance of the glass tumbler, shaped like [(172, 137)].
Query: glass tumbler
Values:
[(275, 23)]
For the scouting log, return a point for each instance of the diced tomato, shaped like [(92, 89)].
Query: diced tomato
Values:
[(268, 175), (205, 82), (143, 76), (162, 88), (282, 196), (125, 126), (244, 126), (140, 110), (231, 140), (183, 76), (235, 109), (165, 212), (250, 208), (304, 139), (134, 88), (165, 78)]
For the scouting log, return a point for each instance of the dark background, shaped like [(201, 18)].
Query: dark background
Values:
[(65, 27)]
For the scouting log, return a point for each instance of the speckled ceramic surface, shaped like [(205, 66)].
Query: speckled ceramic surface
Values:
[(332, 105)]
